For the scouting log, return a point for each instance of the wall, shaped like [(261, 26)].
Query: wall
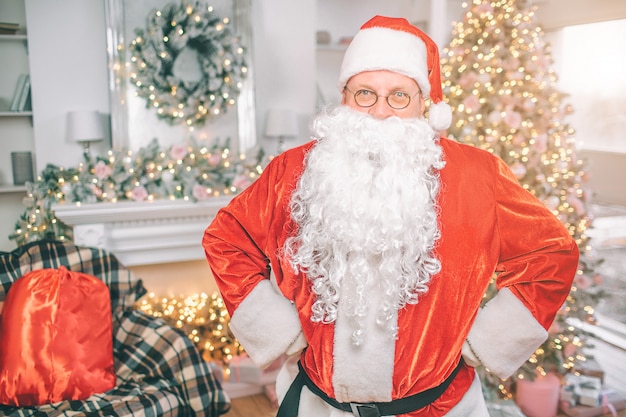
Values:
[(555, 14), (606, 173), (177, 278)]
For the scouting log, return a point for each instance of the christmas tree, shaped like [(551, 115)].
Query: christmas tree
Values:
[(502, 89)]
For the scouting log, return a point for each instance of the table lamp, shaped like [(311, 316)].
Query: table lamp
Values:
[(85, 127), (281, 124)]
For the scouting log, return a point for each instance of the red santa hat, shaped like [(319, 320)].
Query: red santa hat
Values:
[(393, 44)]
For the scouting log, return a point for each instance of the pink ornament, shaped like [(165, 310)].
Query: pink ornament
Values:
[(467, 80), (518, 139), (214, 160), (598, 279), (471, 103), (484, 8), (519, 170), (541, 143), (578, 205), (513, 119), (570, 350), (495, 117), (528, 105), (583, 282)]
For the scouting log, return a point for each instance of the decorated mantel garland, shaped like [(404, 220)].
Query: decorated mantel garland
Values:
[(186, 171), (187, 63)]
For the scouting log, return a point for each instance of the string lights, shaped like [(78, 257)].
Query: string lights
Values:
[(203, 318)]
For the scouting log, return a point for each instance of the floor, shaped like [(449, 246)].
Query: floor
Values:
[(251, 406)]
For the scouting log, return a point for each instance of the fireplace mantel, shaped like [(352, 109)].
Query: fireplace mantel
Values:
[(143, 233)]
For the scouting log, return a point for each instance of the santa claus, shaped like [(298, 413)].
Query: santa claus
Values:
[(364, 254)]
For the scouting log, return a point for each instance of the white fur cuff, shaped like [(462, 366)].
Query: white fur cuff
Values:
[(266, 324), (505, 334)]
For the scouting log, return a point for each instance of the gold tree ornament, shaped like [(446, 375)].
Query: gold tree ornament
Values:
[(187, 63)]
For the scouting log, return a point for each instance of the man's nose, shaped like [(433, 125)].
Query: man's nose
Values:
[(382, 109)]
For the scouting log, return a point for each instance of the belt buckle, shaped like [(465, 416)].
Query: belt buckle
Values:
[(365, 410)]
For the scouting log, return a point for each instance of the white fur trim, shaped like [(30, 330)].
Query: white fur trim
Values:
[(472, 404), (379, 48), (355, 377), (439, 116), (266, 324), (469, 356), (505, 334)]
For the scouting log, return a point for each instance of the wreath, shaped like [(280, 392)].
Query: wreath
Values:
[(187, 63)]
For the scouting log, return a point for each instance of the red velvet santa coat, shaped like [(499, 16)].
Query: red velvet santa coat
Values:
[(488, 223)]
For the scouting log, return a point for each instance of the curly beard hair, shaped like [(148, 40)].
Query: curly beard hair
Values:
[(366, 216)]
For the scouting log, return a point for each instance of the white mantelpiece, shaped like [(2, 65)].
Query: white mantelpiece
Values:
[(143, 233)]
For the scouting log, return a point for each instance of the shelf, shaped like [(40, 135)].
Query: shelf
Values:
[(16, 113), (8, 188), (17, 37), (333, 47)]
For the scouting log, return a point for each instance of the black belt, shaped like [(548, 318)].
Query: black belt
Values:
[(291, 403)]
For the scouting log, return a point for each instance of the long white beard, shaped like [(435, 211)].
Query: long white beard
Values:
[(365, 207)]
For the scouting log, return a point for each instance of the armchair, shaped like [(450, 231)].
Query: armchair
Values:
[(159, 370)]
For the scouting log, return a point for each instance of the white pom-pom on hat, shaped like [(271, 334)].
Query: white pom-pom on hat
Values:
[(393, 44)]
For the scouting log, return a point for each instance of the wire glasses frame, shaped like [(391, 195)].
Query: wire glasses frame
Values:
[(397, 100)]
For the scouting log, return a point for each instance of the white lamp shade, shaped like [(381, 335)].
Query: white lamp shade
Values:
[(85, 126), (281, 124)]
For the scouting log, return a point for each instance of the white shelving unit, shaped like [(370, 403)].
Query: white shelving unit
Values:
[(16, 127)]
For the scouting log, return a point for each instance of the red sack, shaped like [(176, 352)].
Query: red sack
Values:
[(56, 338)]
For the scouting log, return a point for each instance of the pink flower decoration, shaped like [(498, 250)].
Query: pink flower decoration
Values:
[(199, 192), (241, 181), (139, 193), (102, 170), (178, 151)]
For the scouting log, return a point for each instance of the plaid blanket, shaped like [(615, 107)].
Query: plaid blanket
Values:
[(159, 370)]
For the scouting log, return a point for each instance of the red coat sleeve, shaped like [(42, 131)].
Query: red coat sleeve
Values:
[(538, 256)]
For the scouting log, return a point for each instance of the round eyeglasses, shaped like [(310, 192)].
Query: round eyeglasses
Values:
[(397, 100)]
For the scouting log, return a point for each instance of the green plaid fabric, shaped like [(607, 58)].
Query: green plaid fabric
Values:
[(159, 370)]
